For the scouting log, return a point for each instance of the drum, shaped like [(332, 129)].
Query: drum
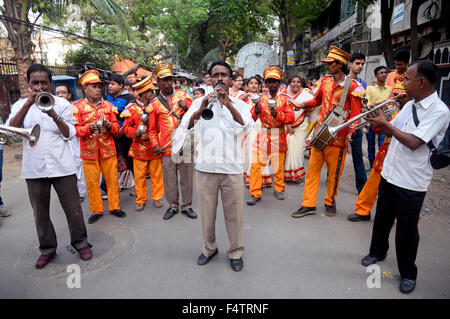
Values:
[(323, 136)]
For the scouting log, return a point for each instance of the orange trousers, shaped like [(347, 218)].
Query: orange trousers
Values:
[(154, 167), (92, 169), (261, 160), (368, 196), (330, 156)]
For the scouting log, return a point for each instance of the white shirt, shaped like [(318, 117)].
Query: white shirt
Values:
[(208, 89), (410, 169), (51, 156), (219, 148)]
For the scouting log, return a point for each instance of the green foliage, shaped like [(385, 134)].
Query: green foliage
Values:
[(184, 31), (101, 56)]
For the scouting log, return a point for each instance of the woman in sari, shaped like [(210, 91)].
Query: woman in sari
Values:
[(254, 87), (293, 167)]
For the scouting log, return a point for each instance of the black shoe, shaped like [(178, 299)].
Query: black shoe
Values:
[(253, 199), (303, 211), (370, 260), (237, 264), (119, 213), (407, 285), (357, 218), (330, 210), (94, 218), (203, 260), (189, 213), (169, 213)]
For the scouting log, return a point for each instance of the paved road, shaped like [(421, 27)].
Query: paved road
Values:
[(143, 256)]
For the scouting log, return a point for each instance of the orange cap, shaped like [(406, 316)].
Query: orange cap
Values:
[(163, 70), (272, 72), (89, 77), (336, 54), (144, 85)]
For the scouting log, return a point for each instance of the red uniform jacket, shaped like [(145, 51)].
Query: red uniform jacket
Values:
[(268, 139), (92, 143), (140, 148), (162, 125), (328, 95)]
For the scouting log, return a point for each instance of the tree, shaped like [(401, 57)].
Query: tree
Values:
[(17, 22), (387, 7), (294, 17)]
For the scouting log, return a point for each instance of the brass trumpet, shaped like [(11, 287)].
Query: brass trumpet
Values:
[(335, 129), (32, 134), (44, 101), (387, 112), (207, 112)]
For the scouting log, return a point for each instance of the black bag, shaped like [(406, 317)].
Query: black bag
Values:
[(440, 156)]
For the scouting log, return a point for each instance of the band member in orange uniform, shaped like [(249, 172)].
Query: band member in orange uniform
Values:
[(271, 142), (368, 196), (329, 95), (167, 110), (95, 125), (144, 159)]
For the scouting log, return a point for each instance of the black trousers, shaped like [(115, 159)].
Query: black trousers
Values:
[(39, 191), (405, 205)]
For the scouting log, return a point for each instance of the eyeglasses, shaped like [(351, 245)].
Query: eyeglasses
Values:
[(61, 92)]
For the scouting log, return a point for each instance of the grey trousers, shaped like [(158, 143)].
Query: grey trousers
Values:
[(232, 192), (170, 178), (39, 193)]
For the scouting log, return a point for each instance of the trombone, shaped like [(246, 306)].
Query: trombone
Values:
[(32, 134)]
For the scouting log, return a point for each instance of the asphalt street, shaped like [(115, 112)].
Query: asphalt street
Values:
[(143, 256)]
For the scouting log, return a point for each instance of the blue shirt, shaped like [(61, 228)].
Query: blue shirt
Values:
[(120, 102)]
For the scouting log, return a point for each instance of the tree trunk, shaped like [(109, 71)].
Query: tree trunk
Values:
[(387, 7), (20, 37), (414, 29)]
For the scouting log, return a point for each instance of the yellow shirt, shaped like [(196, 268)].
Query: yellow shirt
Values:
[(376, 94)]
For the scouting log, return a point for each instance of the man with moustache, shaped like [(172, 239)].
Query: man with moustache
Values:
[(167, 111), (407, 171), (50, 163), (271, 142), (220, 163), (97, 148)]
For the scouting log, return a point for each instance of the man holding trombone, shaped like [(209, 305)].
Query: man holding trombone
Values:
[(47, 160)]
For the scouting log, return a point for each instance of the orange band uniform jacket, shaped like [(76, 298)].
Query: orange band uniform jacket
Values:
[(161, 124), (273, 141), (140, 148), (328, 95), (92, 143)]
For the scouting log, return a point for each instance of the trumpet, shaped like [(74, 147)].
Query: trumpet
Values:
[(207, 112), (44, 101), (388, 112), (335, 129), (32, 134)]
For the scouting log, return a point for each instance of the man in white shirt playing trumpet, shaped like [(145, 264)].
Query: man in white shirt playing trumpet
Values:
[(219, 164)]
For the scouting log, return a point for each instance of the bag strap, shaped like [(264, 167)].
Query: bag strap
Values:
[(167, 106), (416, 122)]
